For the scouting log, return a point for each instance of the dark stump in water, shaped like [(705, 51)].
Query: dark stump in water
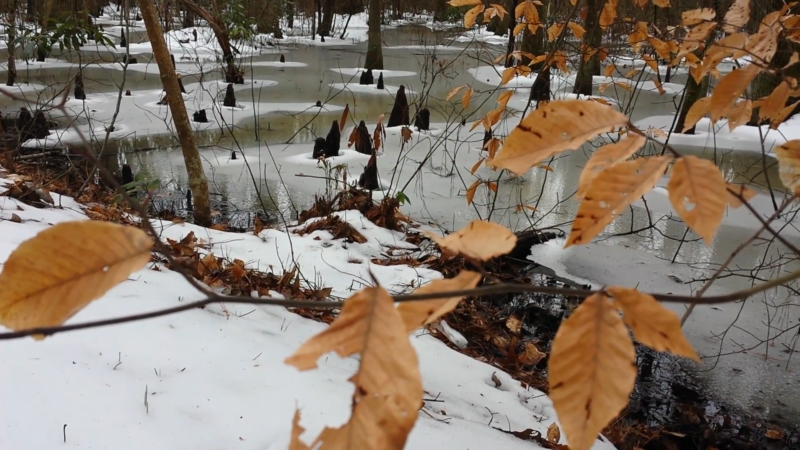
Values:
[(363, 141), (194, 33), (422, 121), (399, 114), (230, 97), (122, 42), (365, 79), (540, 91), (180, 84), (128, 93), (164, 100), (172, 58), (39, 129), (318, 104), (487, 136), (200, 116), (189, 206), (369, 179), (283, 58), (319, 148), (127, 174), (333, 140), (80, 93), (380, 81), (127, 59)]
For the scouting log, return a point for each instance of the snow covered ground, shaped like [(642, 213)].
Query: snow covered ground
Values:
[(215, 378)]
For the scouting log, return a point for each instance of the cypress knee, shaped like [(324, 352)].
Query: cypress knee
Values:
[(333, 140), (423, 120), (230, 97), (399, 114), (319, 148)]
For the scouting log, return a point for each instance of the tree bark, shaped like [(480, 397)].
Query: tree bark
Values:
[(440, 11), (12, 63), (592, 39), (374, 59), (194, 165), (327, 18), (510, 22), (693, 92)]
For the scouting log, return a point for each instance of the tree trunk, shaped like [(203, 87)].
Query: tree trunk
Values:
[(440, 11), (327, 18), (374, 59), (12, 63), (592, 40), (194, 165), (693, 92), (510, 22)]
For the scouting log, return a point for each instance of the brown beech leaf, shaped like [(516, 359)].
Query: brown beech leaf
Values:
[(764, 43), (453, 92), (775, 102), (788, 155), (608, 14), (493, 116), (740, 114), (591, 371), (729, 89), (502, 99), (782, 115), (554, 31), (698, 184), (532, 355), (55, 274), (466, 98), (553, 433), (388, 390), (471, 15), (729, 46), (652, 324), (605, 157), (695, 38), (417, 314), (508, 75), (737, 16), (476, 166), (609, 70), (560, 125), (343, 118), (479, 240), (695, 16), (207, 265), (651, 63), (611, 192), (696, 112), (577, 30), (744, 191), (471, 190), (297, 430)]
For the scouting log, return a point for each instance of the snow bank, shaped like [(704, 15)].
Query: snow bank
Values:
[(215, 378)]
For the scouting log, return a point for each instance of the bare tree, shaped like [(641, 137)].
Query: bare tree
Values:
[(194, 165)]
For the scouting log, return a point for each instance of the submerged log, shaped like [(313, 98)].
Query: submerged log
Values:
[(319, 148), (80, 93), (380, 81), (399, 114), (369, 179), (230, 97), (333, 140), (527, 239), (422, 121), (363, 141)]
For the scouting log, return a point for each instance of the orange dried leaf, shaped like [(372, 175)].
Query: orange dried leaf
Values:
[(652, 324), (695, 38), (698, 110), (50, 277), (605, 157), (695, 16), (612, 191), (740, 114), (343, 118), (729, 89), (502, 99), (737, 16), (508, 74), (479, 240), (475, 168), (577, 30), (471, 190), (697, 191), (417, 314), (471, 15), (741, 190), (554, 31), (788, 155), (388, 390), (609, 70), (560, 125), (591, 371), (466, 97), (297, 430), (775, 102), (453, 92)]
